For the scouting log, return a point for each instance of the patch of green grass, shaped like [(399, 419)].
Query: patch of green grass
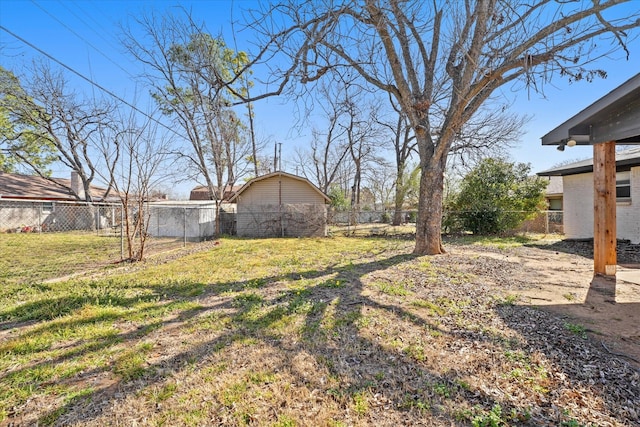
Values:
[(333, 283), (499, 242), (132, 363), (416, 402), (361, 403), (165, 392), (399, 289), (576, 329), (35, 257), (233, 393), (434, 309), (509, 299), (491, 418), (452, 306), (442, 389), (284, 421), (415, 351)]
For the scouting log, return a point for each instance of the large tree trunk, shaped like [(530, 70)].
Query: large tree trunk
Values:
[(429, 222)]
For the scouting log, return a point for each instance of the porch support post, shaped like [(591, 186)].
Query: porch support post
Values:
[(604, 213)]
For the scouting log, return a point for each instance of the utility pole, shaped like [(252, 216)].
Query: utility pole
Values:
[(275, 157)]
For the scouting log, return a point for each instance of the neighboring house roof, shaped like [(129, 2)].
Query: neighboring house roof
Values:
[(31, 187), (201, 192), (625, 158), (555, 186), (274, 174), (614, 117)]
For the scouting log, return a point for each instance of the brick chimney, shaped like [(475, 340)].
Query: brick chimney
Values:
[(76, 185)]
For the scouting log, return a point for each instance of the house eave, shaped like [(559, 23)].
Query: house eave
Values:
[(614, 117), (620, 165)]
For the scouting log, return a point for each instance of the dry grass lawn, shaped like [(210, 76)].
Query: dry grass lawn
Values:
[(310, 332)]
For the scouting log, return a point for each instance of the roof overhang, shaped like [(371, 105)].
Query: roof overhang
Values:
[(614, 117)]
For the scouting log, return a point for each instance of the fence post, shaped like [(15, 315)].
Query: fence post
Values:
[(121, 232), (546, 222), (184, 227)]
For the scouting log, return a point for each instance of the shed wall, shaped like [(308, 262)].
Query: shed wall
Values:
[(191, 223), (281, 206), (267, 192)]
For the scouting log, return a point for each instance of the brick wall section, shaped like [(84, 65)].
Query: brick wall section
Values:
[(578, 208)]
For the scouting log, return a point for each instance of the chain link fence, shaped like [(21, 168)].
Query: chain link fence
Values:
[(69, 238), (93, 235), (382, 222)]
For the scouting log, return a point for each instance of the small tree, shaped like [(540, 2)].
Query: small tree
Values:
[(339, 200), (497, 196)]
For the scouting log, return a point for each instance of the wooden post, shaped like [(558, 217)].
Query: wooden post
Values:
[(604, 213)]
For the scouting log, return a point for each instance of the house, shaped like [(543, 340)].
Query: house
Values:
[(33, 203), (280, 204), (554, 193), (32, 187), (612, 119), (578, 194), (201, 192)]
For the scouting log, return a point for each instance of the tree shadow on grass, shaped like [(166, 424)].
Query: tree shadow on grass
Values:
[(409, 383)]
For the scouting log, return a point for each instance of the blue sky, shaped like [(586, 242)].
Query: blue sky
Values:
[(83, 35)]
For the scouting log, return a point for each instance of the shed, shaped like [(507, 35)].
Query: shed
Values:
[(280, 204), (188, 220), (614, 118)]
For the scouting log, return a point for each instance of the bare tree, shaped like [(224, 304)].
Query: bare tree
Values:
[(489, 133), (441, 62), (404, 146), (381, 182), (139, 154), (363, 134), (329, 147), (61, 120), (191, 75)]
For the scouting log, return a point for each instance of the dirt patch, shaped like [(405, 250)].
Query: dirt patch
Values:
[(563, 283)]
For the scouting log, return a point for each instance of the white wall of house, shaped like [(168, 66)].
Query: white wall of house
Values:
[(578, 208), (628, 213)]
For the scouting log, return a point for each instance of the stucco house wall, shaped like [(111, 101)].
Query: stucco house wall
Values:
[(280, 204)]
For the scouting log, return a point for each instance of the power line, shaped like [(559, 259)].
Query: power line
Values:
[(102, 88), (80, 37)]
